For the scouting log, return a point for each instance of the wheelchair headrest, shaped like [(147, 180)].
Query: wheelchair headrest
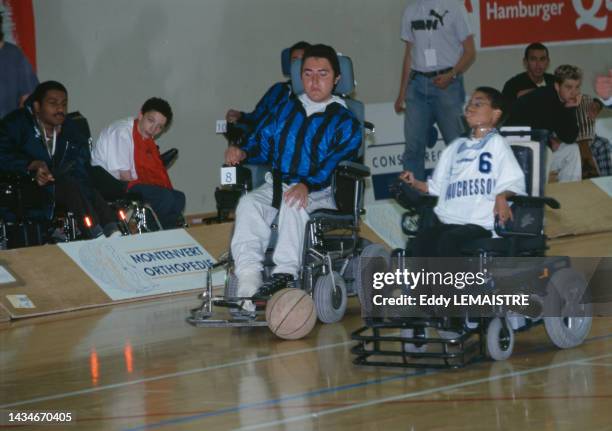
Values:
[(345, 86), (286, 62)]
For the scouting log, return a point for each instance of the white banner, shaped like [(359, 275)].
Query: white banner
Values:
[(143, 265)]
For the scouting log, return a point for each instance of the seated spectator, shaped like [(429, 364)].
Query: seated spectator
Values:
[(601, 148), (472, 180), (535, 61), (127, 151), (275, 96), (40, 140), (17, 78), (553, 109)]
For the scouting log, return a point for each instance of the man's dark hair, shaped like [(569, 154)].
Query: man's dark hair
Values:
[(1, 22), (497, 100), (323, 51), (535, 46), (299, 45), (159, 105), (44, 87)]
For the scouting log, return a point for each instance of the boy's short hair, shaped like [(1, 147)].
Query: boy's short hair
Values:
[(43, 88), (535, 46), (497, 100), (159, 105), (567, 71), (323, 51)]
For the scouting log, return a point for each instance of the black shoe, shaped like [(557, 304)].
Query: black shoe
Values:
[(278, 282)]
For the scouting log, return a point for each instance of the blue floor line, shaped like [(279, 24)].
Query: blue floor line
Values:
[(272, 402), (318, 392)]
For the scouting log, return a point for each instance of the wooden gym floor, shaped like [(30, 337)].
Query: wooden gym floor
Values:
[(140, 367)]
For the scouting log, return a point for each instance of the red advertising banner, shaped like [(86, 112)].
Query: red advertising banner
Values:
[(520, 22), (19, 26)]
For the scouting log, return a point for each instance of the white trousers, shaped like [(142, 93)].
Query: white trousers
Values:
[(255, 214), (566, 162)]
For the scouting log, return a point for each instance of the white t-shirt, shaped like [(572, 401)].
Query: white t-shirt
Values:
[(469, 175), (440, 25), (114, 149)]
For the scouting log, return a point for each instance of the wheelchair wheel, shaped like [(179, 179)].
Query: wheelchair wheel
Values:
[(565, 292), (373, 258), (500, 340), (567, 332), (330, 297)]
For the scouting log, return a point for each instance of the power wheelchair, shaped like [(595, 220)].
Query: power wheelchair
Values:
[(332, 245), (23, 221), (556, 291)]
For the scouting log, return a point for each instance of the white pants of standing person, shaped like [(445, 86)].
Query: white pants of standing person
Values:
[(252, 231), (566, 162)]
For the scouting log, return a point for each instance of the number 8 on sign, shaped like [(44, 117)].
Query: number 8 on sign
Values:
[(228, 175)]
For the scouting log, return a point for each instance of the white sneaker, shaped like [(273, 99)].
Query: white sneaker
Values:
[(248, 283), (248, 306)]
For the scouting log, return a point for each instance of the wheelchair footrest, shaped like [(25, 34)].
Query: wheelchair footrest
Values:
[(201, 317), (225, 323), (234, 303), (382, 344)]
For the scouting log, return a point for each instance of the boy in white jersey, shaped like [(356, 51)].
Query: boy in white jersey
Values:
[(472, 180)]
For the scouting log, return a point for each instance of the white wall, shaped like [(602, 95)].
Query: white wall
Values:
[(205, 56)]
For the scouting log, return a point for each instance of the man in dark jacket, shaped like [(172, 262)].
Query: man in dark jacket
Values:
[(40, 141)]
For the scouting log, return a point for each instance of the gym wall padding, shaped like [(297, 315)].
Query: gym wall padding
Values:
[(585, 209)]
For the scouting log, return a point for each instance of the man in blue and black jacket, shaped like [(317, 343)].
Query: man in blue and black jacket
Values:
[(39, 140), (305, 140)]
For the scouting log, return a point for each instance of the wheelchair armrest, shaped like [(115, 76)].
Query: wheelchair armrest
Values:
[(353, 169), (533, 201), (411, 198), (527, 217)]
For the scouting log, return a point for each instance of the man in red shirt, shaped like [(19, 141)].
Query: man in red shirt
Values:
[(127, 150)]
